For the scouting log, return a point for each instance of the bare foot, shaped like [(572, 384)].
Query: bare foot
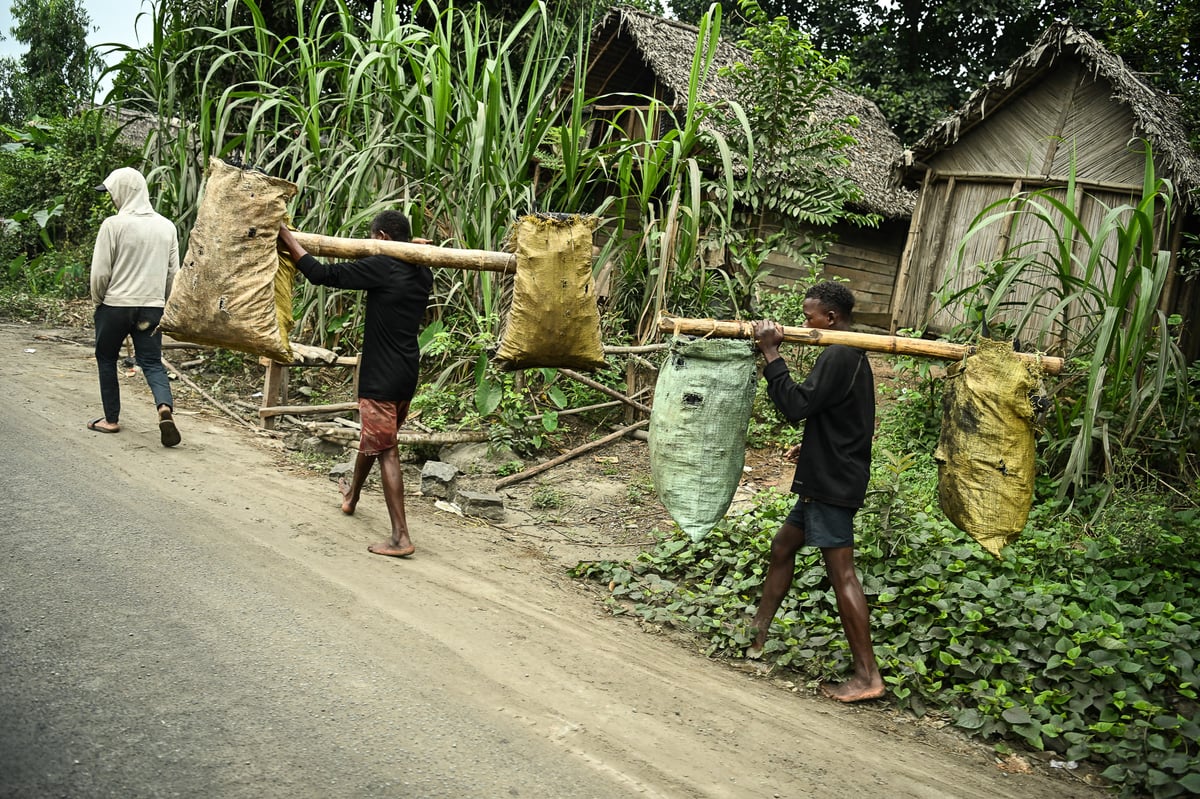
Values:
[(348, 502), (853, 690), (755, 650), (388, 549)]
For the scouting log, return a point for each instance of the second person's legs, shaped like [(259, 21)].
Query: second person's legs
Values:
[(147, 349), (112, 325)]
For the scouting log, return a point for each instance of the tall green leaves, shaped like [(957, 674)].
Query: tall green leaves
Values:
[(460, 122), (796, 154), (662, 186), (1097, 293)]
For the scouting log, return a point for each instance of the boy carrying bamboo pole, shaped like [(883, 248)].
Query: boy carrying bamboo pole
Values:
[(397, 293), (833, 466)]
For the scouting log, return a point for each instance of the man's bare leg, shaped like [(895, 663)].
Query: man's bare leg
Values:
[(399, 545), (353, 490), (852, 607), (784, 546)]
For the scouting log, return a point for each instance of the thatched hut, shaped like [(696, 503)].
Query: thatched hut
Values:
[(1066, 101), (636, 55)]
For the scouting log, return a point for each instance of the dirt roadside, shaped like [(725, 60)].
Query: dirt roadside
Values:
[(613, 694)]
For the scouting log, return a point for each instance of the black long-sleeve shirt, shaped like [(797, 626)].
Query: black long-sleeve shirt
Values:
[(397, 293), (837, 400)]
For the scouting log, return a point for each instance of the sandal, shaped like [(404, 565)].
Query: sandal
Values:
[(167, 431)]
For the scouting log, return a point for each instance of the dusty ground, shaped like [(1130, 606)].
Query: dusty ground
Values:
[(750, 721)]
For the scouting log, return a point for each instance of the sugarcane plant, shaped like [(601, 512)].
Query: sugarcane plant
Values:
[(1097, 294)]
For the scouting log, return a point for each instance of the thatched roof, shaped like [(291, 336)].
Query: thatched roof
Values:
[(1156, 116), (666, 48)]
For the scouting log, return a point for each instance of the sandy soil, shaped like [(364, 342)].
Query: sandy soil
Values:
[(645, 707)]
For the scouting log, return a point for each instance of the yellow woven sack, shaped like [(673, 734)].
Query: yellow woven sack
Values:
[(233, 289), (552, 320), (985, 453)]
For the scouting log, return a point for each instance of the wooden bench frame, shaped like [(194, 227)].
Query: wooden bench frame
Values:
[(275, 390)]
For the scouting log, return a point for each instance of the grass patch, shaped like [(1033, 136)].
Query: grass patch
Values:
[(547, 498)]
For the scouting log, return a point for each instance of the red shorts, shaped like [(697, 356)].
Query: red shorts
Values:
[(381, 420)]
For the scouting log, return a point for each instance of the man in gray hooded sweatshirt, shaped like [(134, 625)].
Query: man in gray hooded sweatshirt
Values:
[(133, 265)]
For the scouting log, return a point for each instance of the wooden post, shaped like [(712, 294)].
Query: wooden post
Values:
[(911, 241), (541, 467), (275, 386), (934, 262), (275, 389)]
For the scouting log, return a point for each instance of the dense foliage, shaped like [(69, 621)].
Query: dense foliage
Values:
[(792, 188), (920, 60), (49, 211), (57, 73)]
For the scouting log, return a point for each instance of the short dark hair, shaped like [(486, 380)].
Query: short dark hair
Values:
[(393, 223), (833, 296)]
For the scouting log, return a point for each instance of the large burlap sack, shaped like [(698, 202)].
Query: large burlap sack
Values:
[(233, 289), (985, 453), (698, 422), (552, 319)]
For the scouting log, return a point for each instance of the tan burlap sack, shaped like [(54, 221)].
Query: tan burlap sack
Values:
[(233, 289), (985, 454), (552, 320)]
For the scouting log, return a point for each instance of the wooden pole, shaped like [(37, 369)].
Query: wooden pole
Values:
[(280, 410), (896, 345), (192, 385), (550, 464), (618, 350), (427, 254), (407, 439), (587, 381)]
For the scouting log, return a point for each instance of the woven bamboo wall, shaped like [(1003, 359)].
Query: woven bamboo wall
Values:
[(1068, 113), (942, 262), (1023, 146)]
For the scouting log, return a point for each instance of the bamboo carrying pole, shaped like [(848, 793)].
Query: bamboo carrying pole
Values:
[(897, 345), (427, 254)]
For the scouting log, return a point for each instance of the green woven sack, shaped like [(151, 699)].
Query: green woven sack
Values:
[(985, 454), (702, 404)]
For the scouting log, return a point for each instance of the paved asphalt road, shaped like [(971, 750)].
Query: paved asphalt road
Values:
[(145, 653)]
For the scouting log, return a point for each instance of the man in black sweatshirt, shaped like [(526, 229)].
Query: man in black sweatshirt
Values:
[(397, 293), (833, 466)]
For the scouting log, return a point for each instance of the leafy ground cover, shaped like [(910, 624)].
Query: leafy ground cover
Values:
[(1081, 639)]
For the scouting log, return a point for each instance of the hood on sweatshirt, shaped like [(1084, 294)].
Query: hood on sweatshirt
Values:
[(128, 190)]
